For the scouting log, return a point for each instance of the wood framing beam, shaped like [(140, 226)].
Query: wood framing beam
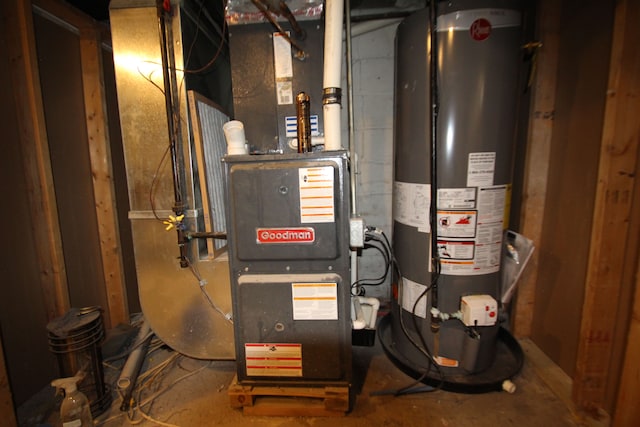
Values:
[(7, 411), (66, 13), (627, 411), (613, 217), (73, 17), (35, 154), (102, 174), (537, 156)]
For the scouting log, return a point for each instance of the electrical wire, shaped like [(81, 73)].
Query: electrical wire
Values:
[(378, 235), (153, 420), (409, 389), (371, 234), (394, 261), (154, 396), (129, 350), (220, 45), (176, 116), (421, 346), (202, 283), (357, 285)]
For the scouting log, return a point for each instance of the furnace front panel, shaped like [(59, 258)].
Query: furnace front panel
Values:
[(288, 224)]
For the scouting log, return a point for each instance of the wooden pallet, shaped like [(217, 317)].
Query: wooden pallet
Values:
[(291, 401)]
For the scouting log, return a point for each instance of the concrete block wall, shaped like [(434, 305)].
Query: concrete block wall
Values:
[(373, 87)]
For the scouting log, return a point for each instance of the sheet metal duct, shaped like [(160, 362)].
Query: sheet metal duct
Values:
[(172, 298)]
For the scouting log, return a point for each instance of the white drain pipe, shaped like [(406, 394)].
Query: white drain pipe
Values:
[(331, 96), (129, 374)]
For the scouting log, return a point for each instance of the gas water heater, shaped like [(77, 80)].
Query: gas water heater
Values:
[(452, 186)]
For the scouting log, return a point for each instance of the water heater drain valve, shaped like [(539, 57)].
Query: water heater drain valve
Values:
[(479, 310)]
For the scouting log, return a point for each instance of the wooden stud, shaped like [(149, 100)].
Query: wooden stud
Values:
[(101, 171), (610, 242), (537, 158), (66, 13), (7, 411), (35, 154), (627, 411)]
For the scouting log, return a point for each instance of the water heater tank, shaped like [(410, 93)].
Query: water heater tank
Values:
[(478, 59)]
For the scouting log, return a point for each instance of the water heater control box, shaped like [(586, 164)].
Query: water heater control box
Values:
[(479, 310)]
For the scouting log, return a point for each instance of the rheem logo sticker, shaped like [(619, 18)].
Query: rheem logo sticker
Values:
[(285, 235), (480, 29)]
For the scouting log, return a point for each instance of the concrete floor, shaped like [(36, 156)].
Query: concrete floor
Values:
[(201, 399)]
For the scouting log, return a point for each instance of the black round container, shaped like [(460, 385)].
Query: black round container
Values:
[(75, 339)]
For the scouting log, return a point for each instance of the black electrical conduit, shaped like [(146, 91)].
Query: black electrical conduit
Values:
[(170, 83), (433, 101)]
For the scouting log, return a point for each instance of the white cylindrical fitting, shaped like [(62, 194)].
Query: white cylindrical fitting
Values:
[(509, 386), (374, 303), (357, 315), (315, 140), (234, 134)]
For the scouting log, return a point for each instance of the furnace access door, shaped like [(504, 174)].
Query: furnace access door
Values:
[(288, 230)]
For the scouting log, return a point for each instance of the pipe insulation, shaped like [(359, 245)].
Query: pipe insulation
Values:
[(331, 98)]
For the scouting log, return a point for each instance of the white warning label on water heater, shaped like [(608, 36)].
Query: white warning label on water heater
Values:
[(317, 202), (273, 360), (463, 253), (457, 198), (480, 169), (414, 298), (457, 223), (411, 205), (314, 301)]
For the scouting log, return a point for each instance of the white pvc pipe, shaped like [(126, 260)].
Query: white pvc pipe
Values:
[(315, 140), (333, 43), (332, 133), (334, 14), (374, 303), (131, 368), (357, 315)]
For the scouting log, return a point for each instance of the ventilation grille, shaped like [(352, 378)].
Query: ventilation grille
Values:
[(210, 146)]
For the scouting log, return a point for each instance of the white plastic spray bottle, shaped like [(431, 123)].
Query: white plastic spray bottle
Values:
[(75, 410)]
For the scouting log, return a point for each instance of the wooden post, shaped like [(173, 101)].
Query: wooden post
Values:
[(101, 168), (537, 157), (611, 243), (7, 411), (35, 153), (627, 411)]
